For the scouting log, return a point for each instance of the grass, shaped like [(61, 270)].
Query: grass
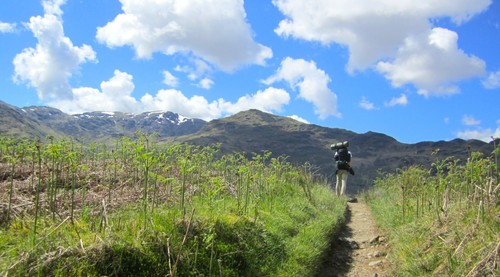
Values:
[(443, 221), (148, 209)]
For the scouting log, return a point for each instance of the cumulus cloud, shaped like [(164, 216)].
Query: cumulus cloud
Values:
[(7, 27), (269, 100), (215, 31), (493, 80), (175, 101), (311, 82), (115, 94), (49, 65), (397, 101), (392, 32), (433, 63)]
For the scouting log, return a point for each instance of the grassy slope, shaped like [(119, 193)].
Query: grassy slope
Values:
[(287, 241), (240, 218), (457, 238)]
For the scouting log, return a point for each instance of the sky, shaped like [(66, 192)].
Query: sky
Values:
[(426, 70)]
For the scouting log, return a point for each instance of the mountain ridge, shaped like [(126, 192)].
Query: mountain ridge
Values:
[(101, 126), (300, 142)]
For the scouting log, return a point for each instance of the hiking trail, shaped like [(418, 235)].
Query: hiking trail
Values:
[(360, 250)]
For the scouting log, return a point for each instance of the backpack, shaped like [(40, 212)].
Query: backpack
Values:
[(343, 155), (343, 158)]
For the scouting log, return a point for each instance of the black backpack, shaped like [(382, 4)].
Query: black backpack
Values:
[(343, 159), (343, 155)]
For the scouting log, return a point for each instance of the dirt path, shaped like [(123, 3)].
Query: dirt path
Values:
[(360, 250)]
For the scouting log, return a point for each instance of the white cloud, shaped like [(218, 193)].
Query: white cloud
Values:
[(397, 101), (200, 69), (53, 6), (433, 63), (7, 27), (480, 134), (49, 66), (470, 120), (216, 31), (393, 32), (115, 95), (271, 99), (169, 79), (484, 134), (312, 84), (366, 104), (299, 119), (493, 80), (206, 83), (175, 101), (196, 72)]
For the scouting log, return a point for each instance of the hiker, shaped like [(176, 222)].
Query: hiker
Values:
[(343, 158)]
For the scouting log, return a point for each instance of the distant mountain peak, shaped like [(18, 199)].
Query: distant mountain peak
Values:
[(257, 117)]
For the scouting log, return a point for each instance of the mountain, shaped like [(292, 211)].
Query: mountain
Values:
[(100, 126), (247, 132), (16, 122), (254, 131)]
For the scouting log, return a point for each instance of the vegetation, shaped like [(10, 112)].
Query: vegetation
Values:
[(443, 221), (138, 207), (142, 208)]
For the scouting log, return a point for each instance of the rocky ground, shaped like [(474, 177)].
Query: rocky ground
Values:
[(361, 249)]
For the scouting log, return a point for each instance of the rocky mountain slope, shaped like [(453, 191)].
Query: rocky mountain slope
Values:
[(250, 131), (254, 131), (101, 126)]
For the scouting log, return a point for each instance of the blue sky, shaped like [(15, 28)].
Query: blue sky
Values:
[(415, 70)]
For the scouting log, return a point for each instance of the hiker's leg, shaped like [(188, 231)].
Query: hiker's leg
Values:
[(338, 183), (344, 182)]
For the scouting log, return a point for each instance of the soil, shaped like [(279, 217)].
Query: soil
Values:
[(360, 249)]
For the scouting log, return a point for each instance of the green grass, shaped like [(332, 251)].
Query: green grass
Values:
[(443, 221), (147, 209), (288, 241)]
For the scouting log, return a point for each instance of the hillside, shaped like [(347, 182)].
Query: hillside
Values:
[(37, 121), (250, 131), (256, 131), (16, 122)]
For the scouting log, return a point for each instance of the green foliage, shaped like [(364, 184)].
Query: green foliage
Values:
[(143, 208), (443, 221)]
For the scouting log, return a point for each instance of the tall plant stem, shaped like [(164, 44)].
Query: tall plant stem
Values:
[(37, 195), (11, 192)]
